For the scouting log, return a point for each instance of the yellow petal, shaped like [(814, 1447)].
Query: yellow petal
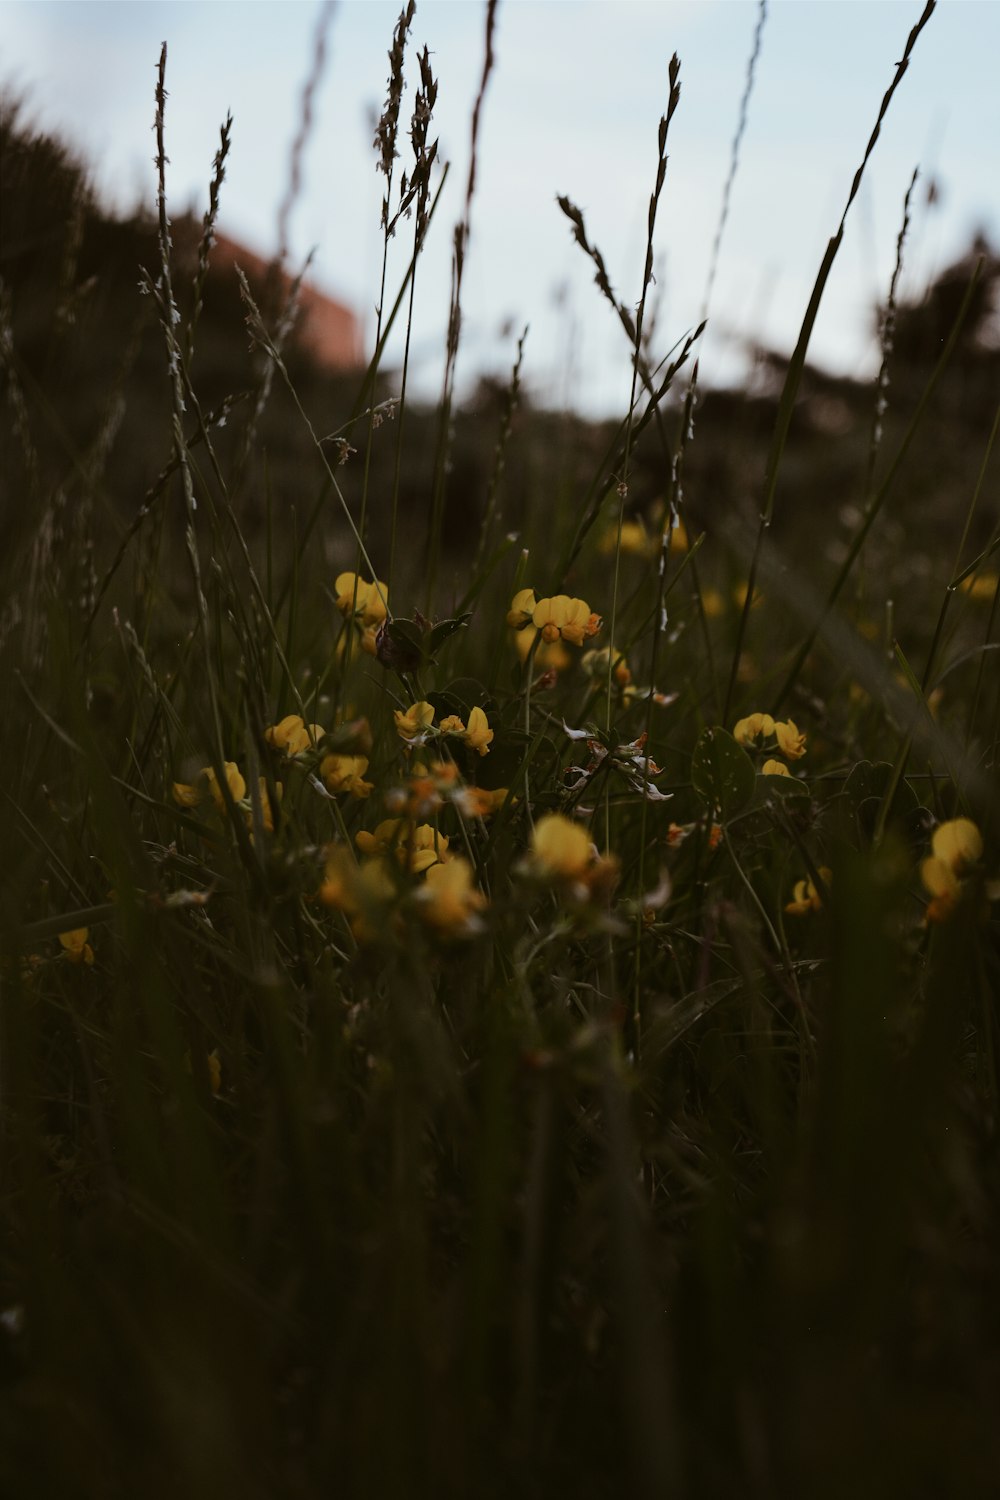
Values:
[(289, 734), (75, 946), (417, 718), (790, 741), (479, 735), (448, 899), (234, 780), (958, 843), (345, 773), (522, 607), (560, 848), (939, 878), (753, 727)]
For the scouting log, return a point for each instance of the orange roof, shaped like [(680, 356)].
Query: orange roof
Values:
[(327, 328)]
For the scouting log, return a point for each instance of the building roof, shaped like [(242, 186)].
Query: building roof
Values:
[(328, 329)]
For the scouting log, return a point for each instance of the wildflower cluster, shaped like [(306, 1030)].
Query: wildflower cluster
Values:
[(411, 864), (364, 605), (206, 788), (375, 891), (762, 732), (416, 726), (340, 773)]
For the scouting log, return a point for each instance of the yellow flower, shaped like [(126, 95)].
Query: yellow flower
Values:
[(790, 742), (234, 781), (478, 735), (959, 843), (345, 773), (561, 851), (522, 607), (192, 796), (367, 640), (186, 795), (448, 900), (944, 887), (562, 616), (754, 727), (712, 603), (956, 847), (417, 719), (416, 846), (548, 654), (293, 735), (76, 949), (366, 602), (805, 896), (774, 768), (363, 892)]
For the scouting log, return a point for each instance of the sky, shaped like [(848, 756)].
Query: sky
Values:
[(572, 108)]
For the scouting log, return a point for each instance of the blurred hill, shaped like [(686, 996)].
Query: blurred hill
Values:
[(87, 412)]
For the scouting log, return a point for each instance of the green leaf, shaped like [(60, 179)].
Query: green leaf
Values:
[(722, 772), (443, 629)]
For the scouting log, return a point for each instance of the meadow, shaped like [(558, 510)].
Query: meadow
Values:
[(498, 926)]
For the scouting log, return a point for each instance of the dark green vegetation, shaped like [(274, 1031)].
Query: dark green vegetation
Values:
[(612, 1175)]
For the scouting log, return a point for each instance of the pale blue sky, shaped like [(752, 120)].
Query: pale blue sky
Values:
[(573, 108)]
